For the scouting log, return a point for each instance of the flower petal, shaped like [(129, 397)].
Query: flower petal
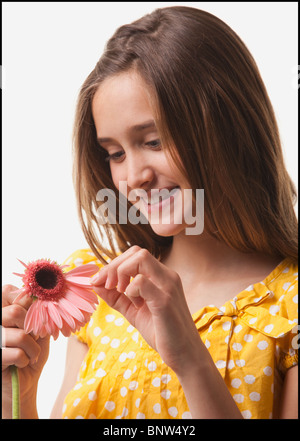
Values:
[(71, 309), (86, 294), (22, 293), (85, 282), (18, 274), (84, 270), (52, 311), (68, 319), (28, 323), (22, 263), (79, 302)]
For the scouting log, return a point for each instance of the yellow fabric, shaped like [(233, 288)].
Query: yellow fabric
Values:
[(252, 340)]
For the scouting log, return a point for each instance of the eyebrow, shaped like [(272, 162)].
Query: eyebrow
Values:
[(136, 128)]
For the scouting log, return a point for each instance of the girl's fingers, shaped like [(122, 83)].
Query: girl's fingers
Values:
[(15, 338), (101, 276), (13, 316), (119, 272), (14, 356)]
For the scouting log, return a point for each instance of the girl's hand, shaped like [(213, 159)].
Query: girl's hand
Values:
[(153, 302), (20, 349)]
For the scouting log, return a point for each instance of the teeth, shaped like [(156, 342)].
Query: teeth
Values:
[(161, 195)]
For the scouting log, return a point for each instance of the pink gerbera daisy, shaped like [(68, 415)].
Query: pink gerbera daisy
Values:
[(62, 301)]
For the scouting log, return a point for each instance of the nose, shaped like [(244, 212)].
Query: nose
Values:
[(140, 172)]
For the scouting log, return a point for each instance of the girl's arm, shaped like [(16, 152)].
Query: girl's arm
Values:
[(289, 399), (76, 352)]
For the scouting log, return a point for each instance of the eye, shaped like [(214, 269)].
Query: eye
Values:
[(155, 144), (116, 157)]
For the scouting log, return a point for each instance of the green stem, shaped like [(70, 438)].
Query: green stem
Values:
[(15, 392)]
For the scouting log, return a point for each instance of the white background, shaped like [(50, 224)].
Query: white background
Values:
[(49, 48)]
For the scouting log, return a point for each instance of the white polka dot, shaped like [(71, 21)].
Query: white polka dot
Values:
[(291, 288), (92, 416), (92, 395), (240, 363), (165, 394), (124, 412), (131, 355), (91, 322), (286, 285), (120, 321), (246, 414), (254, 396), (109, 405), (123, 391), (137, 402), (109, 317), (186, 416), (230, 364), (239, 398), (77, 386), (173, 411), (238, 328), (64, 407), (75, 403), (127, 374), (157, 408), (274, 309), (248, 338), (140, 416), (268, 328), (156, 382), (130, 328), (226, 326), (165, 378), (97, 331), (221, 364), (262, 345), (115, 343), (105, 340), (295, 299), (253, 320), (286, 270), (152, 366), (207, 343), (237, 347), (78, 261), (79, 417), (236, 382), (100, 373), (249, 379), (268, 371), (133, 385), (135, 336), (123, 357), (91, 381), (101, 356)]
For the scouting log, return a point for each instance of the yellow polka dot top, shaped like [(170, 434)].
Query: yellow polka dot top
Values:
[(252, 340)]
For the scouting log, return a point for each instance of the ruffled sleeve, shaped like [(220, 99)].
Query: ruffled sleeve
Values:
[(81, 257), (287, 354)]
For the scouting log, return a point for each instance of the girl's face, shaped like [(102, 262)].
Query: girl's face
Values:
[(139, 167)]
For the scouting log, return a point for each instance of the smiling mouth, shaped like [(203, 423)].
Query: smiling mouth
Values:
[(160, 197)]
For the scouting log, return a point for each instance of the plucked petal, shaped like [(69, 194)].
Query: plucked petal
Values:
[(84, 293), (79, 302), (18, 274), (84, 270), (52, 311), (71, 309), (85, 282)]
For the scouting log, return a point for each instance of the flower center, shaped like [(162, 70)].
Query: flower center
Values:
[(46, 278)]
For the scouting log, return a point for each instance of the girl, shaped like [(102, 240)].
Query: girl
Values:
[(189, 325)]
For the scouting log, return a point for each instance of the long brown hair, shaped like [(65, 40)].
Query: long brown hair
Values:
[(216, 121)]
